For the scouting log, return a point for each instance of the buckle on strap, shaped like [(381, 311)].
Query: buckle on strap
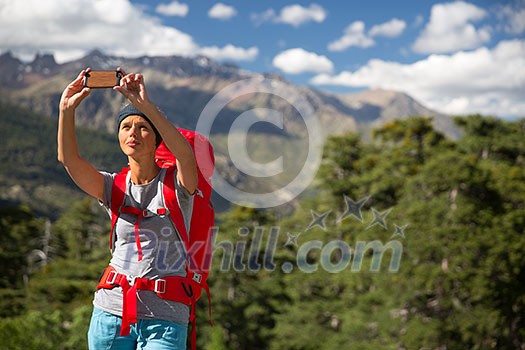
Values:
[(197, 277), (112, 277), (160, 286), (131, 280), (162, 212)]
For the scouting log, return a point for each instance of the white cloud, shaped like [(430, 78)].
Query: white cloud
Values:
[(480, 81), (450, 29), (392, 28), (70, 29), (298, 60), (295, 15), (514, 19), (222, 11), (354, 35), (174, 8), (230, 52)]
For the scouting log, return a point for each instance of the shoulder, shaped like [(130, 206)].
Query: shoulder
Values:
[(172, 180), (109, 179), (108, 175)]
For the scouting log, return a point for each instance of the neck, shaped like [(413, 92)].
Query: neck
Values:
[(143, 172)]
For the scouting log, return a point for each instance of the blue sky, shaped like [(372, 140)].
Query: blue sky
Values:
[(454, 56)]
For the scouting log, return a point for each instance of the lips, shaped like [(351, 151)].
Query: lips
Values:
[(132, 143)]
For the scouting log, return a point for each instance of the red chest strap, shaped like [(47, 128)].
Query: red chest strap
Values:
[(140, 214), (118, 194)]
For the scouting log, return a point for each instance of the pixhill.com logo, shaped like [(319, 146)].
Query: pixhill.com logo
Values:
[(286, 171), (252, 252)]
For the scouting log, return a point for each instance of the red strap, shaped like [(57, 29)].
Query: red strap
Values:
[(207, 289), (129, 312), (193, 318), (193, 321), (129, 307), (140, 214), (137, 239), (118, 192), (171, 288), (170, 201)]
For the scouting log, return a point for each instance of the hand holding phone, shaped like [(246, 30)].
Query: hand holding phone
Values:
[(102, 79)]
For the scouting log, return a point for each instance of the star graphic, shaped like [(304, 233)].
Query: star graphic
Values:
[(399, 231), (291, 239), (379, 218), (353, 208), (318, 220)]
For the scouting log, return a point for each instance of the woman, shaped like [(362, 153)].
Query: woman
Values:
[(148, 249)]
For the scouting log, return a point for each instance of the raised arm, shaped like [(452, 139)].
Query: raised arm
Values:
[(133, 88), (81, 171)]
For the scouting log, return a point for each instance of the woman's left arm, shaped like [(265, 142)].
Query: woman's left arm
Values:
[(133, 88)]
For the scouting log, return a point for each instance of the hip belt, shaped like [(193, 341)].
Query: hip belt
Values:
[(173, 288)]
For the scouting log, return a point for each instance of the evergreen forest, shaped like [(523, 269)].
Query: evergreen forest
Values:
[(406, 240)]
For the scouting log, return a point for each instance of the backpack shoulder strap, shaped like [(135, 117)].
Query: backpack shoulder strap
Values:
[(171, 203), (175, 213), (118, 192)]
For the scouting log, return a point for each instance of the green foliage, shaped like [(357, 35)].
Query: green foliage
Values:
[(18, 227), (493, 138), (216, 341), (240, 294), (54, 302), (46, 330), (29, 170), (33, 330), (82, 231), (12, 302), (459, 284)]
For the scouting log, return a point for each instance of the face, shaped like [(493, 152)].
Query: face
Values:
[(136, 136)]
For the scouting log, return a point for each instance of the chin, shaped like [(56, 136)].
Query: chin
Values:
[(128, 150)]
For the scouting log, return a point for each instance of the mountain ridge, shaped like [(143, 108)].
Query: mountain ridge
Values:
[(182, 86)]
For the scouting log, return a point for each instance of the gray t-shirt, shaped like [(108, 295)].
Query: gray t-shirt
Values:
[(162, 248)]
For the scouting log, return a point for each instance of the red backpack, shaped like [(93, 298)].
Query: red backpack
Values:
[(202, 220), (198, 241)]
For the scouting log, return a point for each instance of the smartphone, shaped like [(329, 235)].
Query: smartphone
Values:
[(102, 79)]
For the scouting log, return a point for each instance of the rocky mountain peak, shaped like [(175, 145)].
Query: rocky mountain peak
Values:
[(44, 63), (11, 69), (7, 57)]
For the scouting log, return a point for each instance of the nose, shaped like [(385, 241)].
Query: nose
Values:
[(133, 130)]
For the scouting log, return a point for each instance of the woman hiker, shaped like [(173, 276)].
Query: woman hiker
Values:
[(146, 245)]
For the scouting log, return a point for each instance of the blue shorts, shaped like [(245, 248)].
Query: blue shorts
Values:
[(104, 334)]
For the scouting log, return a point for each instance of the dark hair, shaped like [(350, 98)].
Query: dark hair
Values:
[(131, 110)]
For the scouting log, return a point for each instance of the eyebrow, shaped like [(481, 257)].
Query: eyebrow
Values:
[(137, 122)]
